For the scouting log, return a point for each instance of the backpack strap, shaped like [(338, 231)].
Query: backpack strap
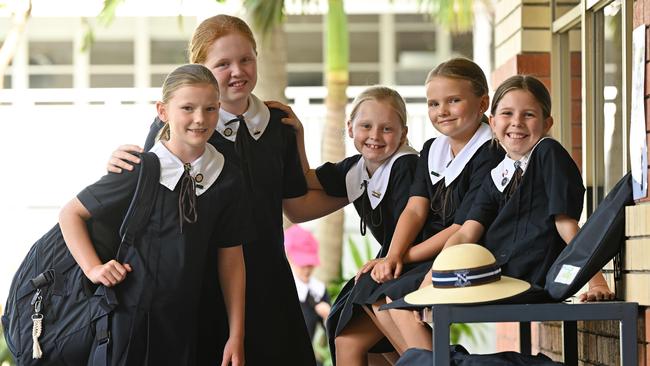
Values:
[(134, 221), (142, 203)]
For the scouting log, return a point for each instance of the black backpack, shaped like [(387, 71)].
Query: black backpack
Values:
[(596, 243), (50, 286)]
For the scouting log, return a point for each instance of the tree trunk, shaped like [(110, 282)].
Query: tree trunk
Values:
[(19, 19), (271, 63), (330, 228)]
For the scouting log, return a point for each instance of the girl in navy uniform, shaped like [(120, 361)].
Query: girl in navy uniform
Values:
[(252, 136), (529, 206), (448, 175), (199, 195), (376, 181)]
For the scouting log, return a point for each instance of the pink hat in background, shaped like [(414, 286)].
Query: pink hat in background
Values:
[(301, 246)]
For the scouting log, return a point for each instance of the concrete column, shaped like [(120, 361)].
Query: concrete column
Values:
[(142, 53), (81, 58), (387, 49), (19, 65)]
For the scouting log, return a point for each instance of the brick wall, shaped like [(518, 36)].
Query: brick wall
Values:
[(597, 340)]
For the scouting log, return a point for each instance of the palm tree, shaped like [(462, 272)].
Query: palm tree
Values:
[(20, 13), (330, 229), (266, 18)]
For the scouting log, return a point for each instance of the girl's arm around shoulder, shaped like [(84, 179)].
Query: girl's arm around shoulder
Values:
[(125, 156), (292, 120), (232, 277), (313, 205), (331, 196)]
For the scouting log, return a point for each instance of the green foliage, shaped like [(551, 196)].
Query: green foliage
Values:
[(338, 38), (107, 14), (5, 355), (266, 14), (455, 15)]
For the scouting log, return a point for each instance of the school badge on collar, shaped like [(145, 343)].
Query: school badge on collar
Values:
[(227, 132)]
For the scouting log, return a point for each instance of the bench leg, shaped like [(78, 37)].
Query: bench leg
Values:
[(570, 342), (524, 338)]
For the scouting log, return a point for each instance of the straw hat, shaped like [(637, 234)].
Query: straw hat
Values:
[(301, 246), (466, 274)]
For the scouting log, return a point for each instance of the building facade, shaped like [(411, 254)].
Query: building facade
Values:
[(582, 50)]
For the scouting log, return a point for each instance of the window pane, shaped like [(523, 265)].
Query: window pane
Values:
[(411, 77), (364, 78), (363, 18), (50, 53), (305, 78), (112, 53), (613, 124), (463, 43), (414, 42), (305, 47), (50, 81), (157, 80), (168, 52), (364, 47), (111, 81)]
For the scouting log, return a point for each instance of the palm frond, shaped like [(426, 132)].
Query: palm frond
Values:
[(457, 16), (107, 14), (266, 14), (356, 254)]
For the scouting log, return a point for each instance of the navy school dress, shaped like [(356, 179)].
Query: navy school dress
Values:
[(265, 153), (521, 229), (450, 184), (157, 323), (379, 200)]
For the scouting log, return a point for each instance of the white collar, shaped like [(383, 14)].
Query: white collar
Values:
[(502, 173), (205, 169), (442, 163), (378, 183), (256, 116), (314, 287)]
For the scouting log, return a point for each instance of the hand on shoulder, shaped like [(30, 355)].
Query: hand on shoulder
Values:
[(123, 158), (291, 119)]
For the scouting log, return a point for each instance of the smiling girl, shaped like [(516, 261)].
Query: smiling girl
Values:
[(167, 264), (252, 136), (376, 181), (449, 172), (528, 208)]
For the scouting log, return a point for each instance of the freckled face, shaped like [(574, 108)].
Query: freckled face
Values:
[(519, 123), (233, 62), (377, 132)]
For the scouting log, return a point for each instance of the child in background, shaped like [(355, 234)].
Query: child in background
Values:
[(302, 252), (181, 240)]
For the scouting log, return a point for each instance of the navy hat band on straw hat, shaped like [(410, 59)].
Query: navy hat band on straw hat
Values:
[(466, 277)]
